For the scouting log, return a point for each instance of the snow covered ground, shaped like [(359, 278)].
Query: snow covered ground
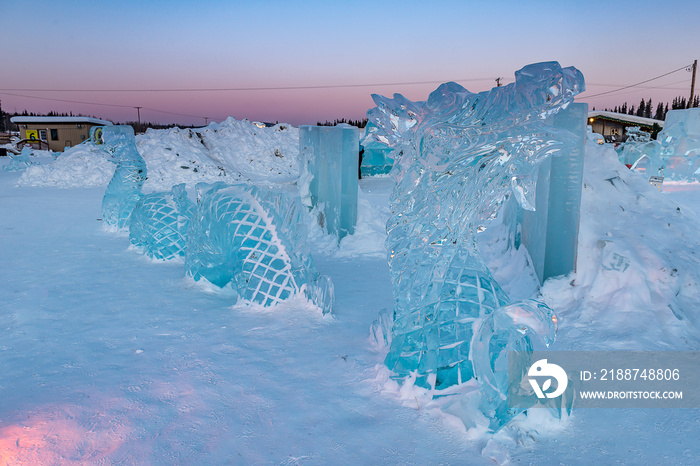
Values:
[(108, 357)]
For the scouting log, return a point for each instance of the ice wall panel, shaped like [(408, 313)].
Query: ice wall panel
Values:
[(331, 154), (550, 233)]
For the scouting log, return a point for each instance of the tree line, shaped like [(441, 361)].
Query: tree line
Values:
[(647, 110), (359, 123)]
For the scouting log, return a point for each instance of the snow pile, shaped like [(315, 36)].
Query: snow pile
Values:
[(83, 166), (637, 281), (230, 151)]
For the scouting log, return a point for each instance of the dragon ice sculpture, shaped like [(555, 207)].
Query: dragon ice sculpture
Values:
[(124, 189), (250, 237), (157, 222), (254, 239), (458, 155)]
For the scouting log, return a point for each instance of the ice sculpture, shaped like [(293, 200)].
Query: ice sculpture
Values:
[(159, 223), (674, 155), (124, 190), (376, 159), (459, 155), (255, 240), (329, 157), (21, 161)]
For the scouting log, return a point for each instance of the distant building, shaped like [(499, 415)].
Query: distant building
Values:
[(53, 132), (612, 125)]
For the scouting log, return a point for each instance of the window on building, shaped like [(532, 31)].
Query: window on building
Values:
[(42, 134), (54, 135)]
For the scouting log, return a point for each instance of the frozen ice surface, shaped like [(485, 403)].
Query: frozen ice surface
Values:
[(329, 158), (254, 239), (460, 155), (159, 223), (20, 161), (124, 190)]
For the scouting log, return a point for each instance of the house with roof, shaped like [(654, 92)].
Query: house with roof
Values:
[(612, 125), (55, 132)]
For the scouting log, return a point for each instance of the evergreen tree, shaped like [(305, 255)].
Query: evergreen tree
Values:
[(647, 109), (631, 111), (660, 114), (3, 127), (642, 108)]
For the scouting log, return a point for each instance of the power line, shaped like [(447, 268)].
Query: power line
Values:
[(100, 104), (636, 84), (661, 86), (272, 88)]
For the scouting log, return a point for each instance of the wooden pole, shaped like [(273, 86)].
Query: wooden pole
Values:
[(692, 84)]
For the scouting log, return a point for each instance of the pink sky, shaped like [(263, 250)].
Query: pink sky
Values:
[(204, 45)]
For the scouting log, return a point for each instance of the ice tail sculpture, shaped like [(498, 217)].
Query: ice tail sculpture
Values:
[(159, 223), (124, 190), (459, 154), (255, 240)]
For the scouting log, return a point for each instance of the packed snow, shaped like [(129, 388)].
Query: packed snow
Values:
[(109, 357)]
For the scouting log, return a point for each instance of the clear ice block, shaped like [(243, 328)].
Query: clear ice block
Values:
[(550, 232), (329, 155)]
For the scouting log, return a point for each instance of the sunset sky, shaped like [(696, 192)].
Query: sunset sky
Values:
[(68, 56)]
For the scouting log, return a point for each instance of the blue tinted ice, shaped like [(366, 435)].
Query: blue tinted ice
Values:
[(329, 157), (255, 240), (20, 161), (124, 190), (376, 158), (460, 155), (159, 223), (675, 154)]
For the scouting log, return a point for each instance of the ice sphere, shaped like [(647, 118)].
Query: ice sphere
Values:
[(508, 328), (124, 190), (459, 156), (159, 223), (255, 240), (20, 161), (329, 157)]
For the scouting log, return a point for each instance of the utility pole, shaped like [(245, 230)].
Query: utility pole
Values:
[(138, 112), (498, 82), (206, 121), (692, 84)]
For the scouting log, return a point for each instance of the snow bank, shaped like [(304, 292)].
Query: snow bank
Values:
[(83, 166), (637, 281), (229, 151)]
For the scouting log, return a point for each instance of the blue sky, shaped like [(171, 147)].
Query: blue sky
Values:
[(157, 45)]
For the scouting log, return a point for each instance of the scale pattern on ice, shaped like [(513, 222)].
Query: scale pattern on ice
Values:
[(458, 155), (159, 223), (255, 240)]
